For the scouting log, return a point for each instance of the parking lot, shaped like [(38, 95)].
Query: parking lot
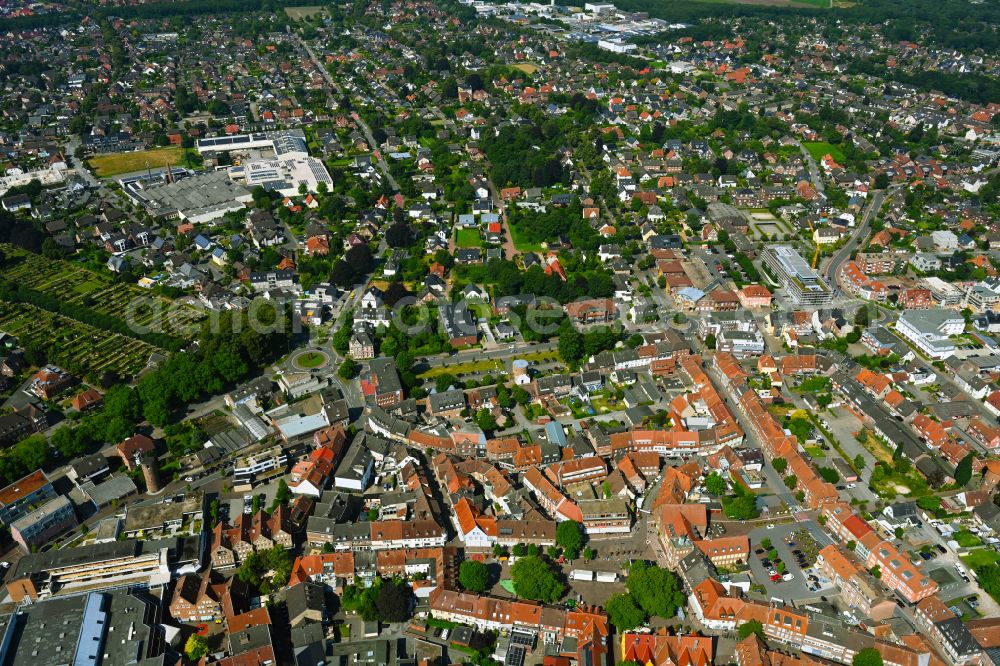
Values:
[(798, 587)]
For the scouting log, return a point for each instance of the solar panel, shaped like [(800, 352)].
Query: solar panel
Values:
[(515, 656)]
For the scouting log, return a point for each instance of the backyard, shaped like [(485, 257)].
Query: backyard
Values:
[(468, 238), (521, 244), (819, 149)]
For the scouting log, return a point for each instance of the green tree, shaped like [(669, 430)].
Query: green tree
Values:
[(394, 600), (534, 579), (571, 343), (624, 612), (751, 627), (859, 462), (485, 420), (569, 537), (867, 657), (474, 576), (282, 495), (791, 481), (715, 484), (347, 369), (963, 471), (656, 590), (742, 506), (196, 647), (780, 465), (829, 474)]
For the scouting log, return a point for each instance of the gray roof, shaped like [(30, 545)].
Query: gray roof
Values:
[(120, 627)]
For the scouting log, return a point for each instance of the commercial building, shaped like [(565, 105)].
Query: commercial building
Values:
[(930, 330), (804, 286), (200, 198), (92, 629), (101, 566), (284, 175)]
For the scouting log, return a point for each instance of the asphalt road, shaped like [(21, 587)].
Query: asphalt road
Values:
[(860, 234)]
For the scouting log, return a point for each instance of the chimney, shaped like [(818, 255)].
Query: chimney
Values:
[(150, 472)]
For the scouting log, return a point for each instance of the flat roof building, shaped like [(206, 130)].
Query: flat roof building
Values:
[(48, 521), (94, 629), (804, 286)]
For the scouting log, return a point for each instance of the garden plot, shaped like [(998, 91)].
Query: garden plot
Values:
[(81, 348), (80, 286)]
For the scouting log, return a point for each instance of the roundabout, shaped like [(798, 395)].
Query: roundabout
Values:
[(311, 360)]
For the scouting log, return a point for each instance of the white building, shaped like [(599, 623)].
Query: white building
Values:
[(616, 46), (929, 330)]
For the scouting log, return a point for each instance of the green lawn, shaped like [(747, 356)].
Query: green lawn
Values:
[(981, 557), (521, 244), (508, 585), (967, 539), (310, 360), (815, 452), (820, 148), (468, 238)]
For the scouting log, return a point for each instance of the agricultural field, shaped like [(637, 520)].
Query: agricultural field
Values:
[(819, 149), (115, 164), (81, 348), (77, 285)]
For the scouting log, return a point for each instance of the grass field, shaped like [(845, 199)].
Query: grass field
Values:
[(981, 557), (105, 166), (527, 67), (468, 238), (818, 149), (490, 365), (303, 12), (523, 245)]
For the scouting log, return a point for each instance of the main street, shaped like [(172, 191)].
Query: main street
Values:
[(832, 271)]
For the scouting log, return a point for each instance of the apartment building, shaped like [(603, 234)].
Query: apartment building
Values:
[(259, 467), (37, 528), (28, 491)]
